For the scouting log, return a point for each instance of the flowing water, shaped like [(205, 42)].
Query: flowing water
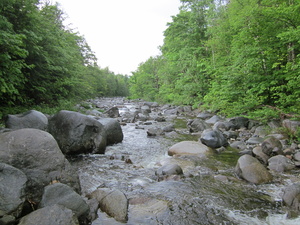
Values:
[(208, 193)]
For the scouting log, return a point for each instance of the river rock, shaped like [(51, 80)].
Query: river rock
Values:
[(113, 130), (272, 146), (204, 115), (222, 125), (214, 119), (292, 125), (169, 169), (291, 196), (64, 195), (197, 125), (30, 119), (113, 202), (36, 153), (239, 122), (250, 169), (169, 128), (76, 133), (262, 157), (188, 148), (280, 163), (50, 215), (12, 190), (213, 138), (152, 132), (113, 112)]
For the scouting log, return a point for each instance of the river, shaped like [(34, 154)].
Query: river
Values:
[(208, 193)]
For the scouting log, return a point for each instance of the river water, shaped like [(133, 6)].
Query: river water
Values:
[(208, 193)]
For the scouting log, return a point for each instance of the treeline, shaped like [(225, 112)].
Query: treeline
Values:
[(237, 57), (43, 62)]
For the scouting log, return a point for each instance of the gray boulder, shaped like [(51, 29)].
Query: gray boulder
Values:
[(213, 138), (169, 169), (280, 163), (291, 196), (262, 157), (113, 130), (214, 119), (188, 148), (204, 115), (113, 202), (50, 215), (36, 153), (272, 146), (250, 169), (30, 119), (239, 122), (64, 195), (76, 133), (197, 125), (152, 132), (113, 112), (12, 190)]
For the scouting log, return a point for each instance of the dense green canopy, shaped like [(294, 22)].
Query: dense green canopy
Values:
[(44, 62), (237, 57)]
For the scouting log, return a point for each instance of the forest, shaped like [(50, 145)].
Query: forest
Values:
[(44, 62), (237, 57)]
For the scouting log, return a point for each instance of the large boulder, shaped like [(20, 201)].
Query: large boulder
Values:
[(250, 169), (113, 130), (213, 138), (36, 153), (197, 125), (30, 119), (76, 133), (113, 202), (188, 148), (64, 195), (272, 146), (50, 215), (291, 196), (12, 190)]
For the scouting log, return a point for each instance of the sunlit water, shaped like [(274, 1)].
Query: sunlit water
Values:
[(196, 198)]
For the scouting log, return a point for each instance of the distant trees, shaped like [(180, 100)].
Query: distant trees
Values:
[(42, 62), (232, 56)]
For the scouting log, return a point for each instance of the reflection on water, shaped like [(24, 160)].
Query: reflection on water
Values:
[(197, 198)]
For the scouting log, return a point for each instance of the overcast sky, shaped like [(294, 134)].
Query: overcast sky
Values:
[(122, 33)]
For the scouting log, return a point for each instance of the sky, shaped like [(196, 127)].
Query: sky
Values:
[(122, 33)]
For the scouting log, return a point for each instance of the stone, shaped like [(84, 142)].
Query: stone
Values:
[(112, 130), (113, 202), (37, 154), (76, 133), (50, 215), (213, 138), (12, 189), (30, 119), (188, 148), (280, 163), (204, 115), (113, 112), (292, 125), (152, 132), (272, 146), (169, 169), (291, 196), (64, 195), (262, 157), (239, 122), (254, 140), (250, 169), (197, 125), (214, 119)]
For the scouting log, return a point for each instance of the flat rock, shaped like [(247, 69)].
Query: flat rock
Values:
[(188, 148)]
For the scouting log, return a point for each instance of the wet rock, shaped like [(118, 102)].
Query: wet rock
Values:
[(152, 132), (239, 122), (169, 128), (12, 190), (30, 119), (250, 169), (197, 125), (169, 169), (213, 119), (64, 195), (113, 112), (50, 215), (76, 133), (113, 202), (272, 146), (188, 148), (280, 163), (112, 130), (145, 109), (262, 157), (291, 196), (213, 138), (36, 153), (254, 140)]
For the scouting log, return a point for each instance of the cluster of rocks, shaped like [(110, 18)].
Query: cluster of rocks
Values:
[(38, 184)]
